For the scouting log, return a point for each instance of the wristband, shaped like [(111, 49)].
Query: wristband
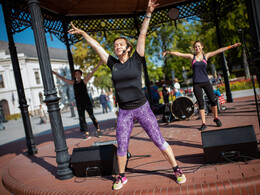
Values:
[(228, 47), (147, 16)]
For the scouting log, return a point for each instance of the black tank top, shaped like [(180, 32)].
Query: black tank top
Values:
[(81, 94)]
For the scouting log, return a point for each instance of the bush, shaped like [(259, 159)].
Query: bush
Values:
[(238, 85), (239, 73), (232, 76), (13, 116)]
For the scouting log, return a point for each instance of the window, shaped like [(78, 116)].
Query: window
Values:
[(37, 77), (2, 85)]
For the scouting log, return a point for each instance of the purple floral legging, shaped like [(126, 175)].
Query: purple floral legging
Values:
[(147, 120)]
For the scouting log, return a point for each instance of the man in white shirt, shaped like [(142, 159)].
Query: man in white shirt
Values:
[(177, 88)]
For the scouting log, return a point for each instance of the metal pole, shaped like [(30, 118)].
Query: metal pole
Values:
[(30, 142), (253, 7), (68, 95), (70, 58), (50, 93), (223, 59)]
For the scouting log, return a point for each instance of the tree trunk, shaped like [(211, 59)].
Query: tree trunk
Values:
[(245, 63)]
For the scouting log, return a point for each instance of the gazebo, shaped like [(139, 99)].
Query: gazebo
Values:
[(54, 17)]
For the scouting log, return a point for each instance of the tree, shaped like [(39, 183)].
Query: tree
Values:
[(181, 39), (229, 25)]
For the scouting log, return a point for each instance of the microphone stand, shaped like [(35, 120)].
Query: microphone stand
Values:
[(249, 59)]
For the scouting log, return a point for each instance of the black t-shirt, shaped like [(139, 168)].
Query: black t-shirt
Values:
[(127, 80), (81, 94)]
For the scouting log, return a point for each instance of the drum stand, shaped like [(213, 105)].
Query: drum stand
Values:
[(170, 114)]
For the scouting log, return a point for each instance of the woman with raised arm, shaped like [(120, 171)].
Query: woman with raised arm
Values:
[(133, 105), (82, 99), (200, 78)]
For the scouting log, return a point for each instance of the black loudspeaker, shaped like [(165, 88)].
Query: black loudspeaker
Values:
[(231, 144), (95, 160)]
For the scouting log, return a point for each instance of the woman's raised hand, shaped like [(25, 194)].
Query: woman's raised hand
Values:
[(151, 6), (164, 53), (75, 30), (235, 45)]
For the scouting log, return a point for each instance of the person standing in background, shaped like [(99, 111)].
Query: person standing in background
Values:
[(82, 99), (165, 94), (43, 116), (1, 123), (155, 94), (176, 88), (111, 100), (103, 101)]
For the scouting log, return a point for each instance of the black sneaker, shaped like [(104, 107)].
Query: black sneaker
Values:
[(218, 122), (99, 133), (86, 137), (203, 127)]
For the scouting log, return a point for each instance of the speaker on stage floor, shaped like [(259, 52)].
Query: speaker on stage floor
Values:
[(229, 144), (94, 160)]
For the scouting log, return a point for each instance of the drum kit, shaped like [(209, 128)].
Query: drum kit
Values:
[(183, 107)]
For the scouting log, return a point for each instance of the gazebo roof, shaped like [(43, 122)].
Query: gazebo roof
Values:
[(125, 16), (100, 7)]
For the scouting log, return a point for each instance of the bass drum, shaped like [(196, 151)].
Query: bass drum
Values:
[(182, 108)]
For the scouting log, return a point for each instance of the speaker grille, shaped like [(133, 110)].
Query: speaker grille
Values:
[(229, 144), (95, 160)]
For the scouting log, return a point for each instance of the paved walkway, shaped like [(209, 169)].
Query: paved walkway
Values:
[(14, 128), (148, 172)]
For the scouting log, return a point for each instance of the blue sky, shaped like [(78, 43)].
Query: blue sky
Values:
[(27, 36)]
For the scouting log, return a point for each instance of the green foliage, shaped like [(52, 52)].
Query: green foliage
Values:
[(232, 76), (168, 37), (229, 25), (13, 116)]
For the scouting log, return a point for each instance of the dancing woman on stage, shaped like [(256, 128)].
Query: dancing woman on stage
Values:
[(82, 99), (126, 76), (200, 78)]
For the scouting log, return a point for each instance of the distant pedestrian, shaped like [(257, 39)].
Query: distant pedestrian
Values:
[(165, 94), (111, 100), (177, 88), (155, 94), (1, 123), (43, 116), (219, 79), (103, 101), (108, 102)]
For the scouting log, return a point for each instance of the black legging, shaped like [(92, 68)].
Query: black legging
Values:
[(197, 88), (82, 119)]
